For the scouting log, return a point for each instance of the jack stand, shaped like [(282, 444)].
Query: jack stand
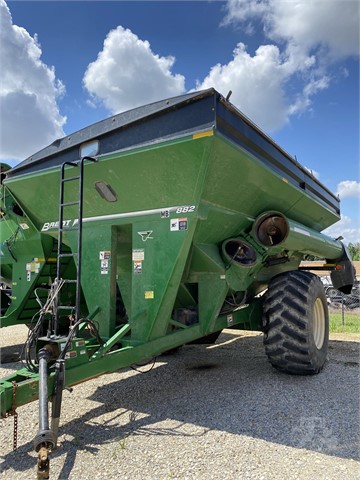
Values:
[(44, 440), (56, 401)]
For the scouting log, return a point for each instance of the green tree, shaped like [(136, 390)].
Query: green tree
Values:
[(354, 250)]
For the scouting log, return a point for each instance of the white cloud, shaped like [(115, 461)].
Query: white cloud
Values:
[(345, 228), (30, 117), (242, 10), (310, 36), (303, 101), (259, 84), (256, 82), (349, 225), (313, 172), (127, 73), (331, 25), (348, 188)]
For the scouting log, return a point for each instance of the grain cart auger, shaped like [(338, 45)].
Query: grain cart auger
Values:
[(187, 220)]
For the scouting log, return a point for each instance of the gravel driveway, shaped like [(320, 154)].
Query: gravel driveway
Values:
[(218, 412)]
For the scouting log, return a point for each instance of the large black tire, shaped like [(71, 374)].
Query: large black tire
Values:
[(296, 323)]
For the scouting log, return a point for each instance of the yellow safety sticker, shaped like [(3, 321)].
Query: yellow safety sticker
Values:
[(208, 133)]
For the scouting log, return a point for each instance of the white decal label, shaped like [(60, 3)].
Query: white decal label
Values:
[(52, 225), (186, 209), (138, 254), (104, 267), (177, 224), (137, 267), (165, 214), (104, 257)]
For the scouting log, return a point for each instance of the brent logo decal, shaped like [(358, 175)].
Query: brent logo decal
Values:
[(146, 235)]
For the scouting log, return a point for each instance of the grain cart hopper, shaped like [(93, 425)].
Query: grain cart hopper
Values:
[(154, 228)]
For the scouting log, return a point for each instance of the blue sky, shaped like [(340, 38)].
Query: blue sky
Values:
[(293, 67)]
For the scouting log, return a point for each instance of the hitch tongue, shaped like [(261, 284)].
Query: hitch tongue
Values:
[(43, 463), (44, 440)]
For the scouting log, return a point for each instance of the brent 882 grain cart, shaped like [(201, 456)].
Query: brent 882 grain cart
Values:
[(154, 228)]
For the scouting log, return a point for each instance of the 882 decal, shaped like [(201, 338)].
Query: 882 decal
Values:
[(186, 209)]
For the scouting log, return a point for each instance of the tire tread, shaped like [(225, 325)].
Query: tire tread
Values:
[(286, 308)]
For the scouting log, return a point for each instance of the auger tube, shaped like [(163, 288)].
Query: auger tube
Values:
[(274, 231)]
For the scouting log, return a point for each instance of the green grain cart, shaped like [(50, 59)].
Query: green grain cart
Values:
[(154, 228)]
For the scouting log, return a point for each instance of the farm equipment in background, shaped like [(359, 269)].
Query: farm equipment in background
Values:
[(154, 228), (337, 299)]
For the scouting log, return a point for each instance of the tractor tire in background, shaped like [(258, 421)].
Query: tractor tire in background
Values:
[(296, 323)]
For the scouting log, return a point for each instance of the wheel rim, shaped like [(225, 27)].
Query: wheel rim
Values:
[(319, 323)]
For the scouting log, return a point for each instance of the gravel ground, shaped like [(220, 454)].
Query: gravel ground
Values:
[(203, 413)]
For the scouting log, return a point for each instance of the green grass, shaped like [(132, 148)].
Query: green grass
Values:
[(351, 323)]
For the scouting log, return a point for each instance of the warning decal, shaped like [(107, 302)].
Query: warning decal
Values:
[(104, 257), (138, 254), (137, 267), (177, 224)]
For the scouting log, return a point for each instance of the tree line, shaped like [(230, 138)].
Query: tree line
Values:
[(354, 250)]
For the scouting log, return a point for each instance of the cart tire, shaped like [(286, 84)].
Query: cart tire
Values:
[(296, 323)]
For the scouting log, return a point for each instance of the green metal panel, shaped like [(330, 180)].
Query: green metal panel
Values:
[(208, 183), (210, 169), (160, 245), (178, 239), (144, 179)]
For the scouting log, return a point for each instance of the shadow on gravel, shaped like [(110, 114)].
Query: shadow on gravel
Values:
[(228, 387), (10, 354)]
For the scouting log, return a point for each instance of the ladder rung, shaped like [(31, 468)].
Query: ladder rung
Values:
[(67, 204), (69, 179), (61, 257)]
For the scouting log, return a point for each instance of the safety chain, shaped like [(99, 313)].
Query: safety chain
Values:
[(14, 412)]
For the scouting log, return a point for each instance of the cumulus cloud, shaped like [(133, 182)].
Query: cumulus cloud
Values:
[(345, 228), (258, 84), (30, 117), (332, 25), (278, 81), (251, 74), (348, 188), (309, 37), (127, 73)]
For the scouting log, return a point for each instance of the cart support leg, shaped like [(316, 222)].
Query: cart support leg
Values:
[(57, 398), (44, 440)]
